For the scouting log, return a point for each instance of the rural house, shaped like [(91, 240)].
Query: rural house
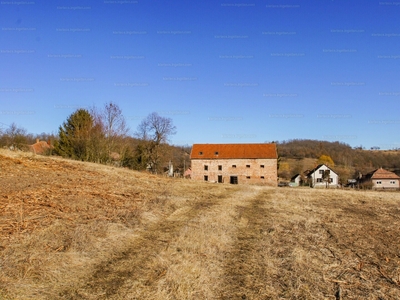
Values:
[(381, 179), (235, 163), (322, 176), (41, 147)]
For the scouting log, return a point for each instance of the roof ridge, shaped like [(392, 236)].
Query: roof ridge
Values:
[(237, 150)]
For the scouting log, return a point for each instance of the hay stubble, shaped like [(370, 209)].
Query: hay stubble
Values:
[(71, 230)]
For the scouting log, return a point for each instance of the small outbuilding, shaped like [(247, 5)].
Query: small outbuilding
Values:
[(296, 180)]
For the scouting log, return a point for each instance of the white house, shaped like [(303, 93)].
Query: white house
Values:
[(316, 177), (296, 180)]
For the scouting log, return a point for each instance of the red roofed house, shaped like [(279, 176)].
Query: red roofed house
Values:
[(40, 147), (382, 179), (235, 163)]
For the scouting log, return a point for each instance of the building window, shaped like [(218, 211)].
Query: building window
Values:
[(219, 168), (233, 180), (205, 178), (392, 182), (247, 166), (216, 153), (262, 166), (205, 168), (379, 182), (319, 179), (330, 180), (247, 177), (321, 171), (200, 153), (262, 177), (233, 166)]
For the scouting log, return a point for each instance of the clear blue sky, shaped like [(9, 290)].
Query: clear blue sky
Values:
[(226, 71)]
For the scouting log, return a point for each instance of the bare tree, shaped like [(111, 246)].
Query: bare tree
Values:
[(327, 177), (156, 128), (111, 131), (154, 132), (114, 121), (115, 128), (15, 136)]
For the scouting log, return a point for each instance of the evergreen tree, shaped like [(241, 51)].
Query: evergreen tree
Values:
[(74, 136)]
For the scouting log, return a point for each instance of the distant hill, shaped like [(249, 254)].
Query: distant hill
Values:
[(295, 157)]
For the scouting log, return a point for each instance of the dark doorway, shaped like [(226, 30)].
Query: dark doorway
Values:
[(219, 178), (234, 180)]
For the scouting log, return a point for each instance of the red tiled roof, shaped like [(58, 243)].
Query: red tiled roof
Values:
[(383, 174), (228, 151), (40, 147)]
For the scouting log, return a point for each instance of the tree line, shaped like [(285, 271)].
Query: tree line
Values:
[(17, 138), (101, 135), (343, 155)]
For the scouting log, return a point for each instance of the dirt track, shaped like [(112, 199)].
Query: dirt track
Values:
[(81, 231), (132, 265), (245, 265)]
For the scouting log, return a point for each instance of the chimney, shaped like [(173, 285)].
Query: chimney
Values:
[(37, 141)]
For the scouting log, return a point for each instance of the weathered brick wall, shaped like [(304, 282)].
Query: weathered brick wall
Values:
[(255, 171)]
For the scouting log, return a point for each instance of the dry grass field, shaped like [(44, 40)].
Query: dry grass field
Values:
[(72, 230)]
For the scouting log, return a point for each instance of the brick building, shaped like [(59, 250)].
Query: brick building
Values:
[(235, 163)]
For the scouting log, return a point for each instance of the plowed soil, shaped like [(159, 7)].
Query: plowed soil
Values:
[(73, 230)]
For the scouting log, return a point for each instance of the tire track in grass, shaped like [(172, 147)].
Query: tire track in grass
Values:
[(245, 268), (193, 265), (134, 263)]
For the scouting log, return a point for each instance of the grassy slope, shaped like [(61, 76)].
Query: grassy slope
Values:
[(72, 230)]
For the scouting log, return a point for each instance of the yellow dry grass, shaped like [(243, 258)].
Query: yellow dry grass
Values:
[(72, 230)]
